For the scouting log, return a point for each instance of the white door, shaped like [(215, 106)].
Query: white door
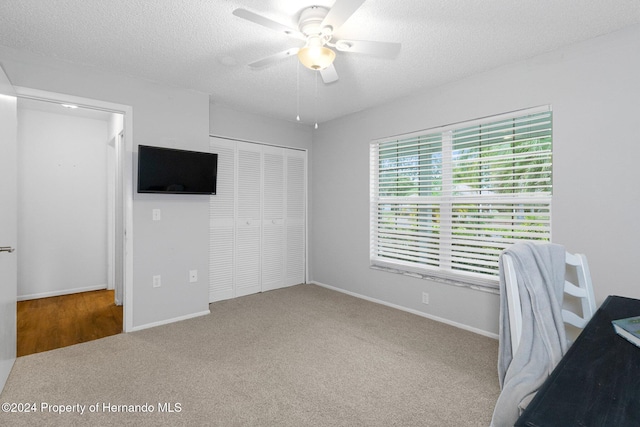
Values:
[(8, 227), (257, 226), (273, 218), (222, 223), (248, 219), (295, 217)]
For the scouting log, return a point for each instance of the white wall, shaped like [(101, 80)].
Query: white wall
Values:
[(594, 90), (230, 123), (164, 116), (62, 204)]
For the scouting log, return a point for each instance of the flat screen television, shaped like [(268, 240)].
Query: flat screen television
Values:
[(172, 171)]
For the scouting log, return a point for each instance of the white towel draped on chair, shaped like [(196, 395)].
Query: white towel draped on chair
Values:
[(540, 272)]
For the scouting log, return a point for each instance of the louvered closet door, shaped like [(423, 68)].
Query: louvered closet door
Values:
[(222, 223), (257, 219), (273, 233), (248, 219), (295, 214)]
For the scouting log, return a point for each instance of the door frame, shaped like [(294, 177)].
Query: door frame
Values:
[(125, 169)]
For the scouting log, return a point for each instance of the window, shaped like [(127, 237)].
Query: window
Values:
[(445, 202)]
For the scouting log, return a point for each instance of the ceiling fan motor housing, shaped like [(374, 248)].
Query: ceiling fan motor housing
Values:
[(310, 22)]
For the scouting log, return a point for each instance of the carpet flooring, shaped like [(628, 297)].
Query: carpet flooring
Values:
[(300, 356)]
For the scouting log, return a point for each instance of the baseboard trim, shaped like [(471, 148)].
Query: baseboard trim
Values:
[(61, 292), (172, 320), (409, 310)]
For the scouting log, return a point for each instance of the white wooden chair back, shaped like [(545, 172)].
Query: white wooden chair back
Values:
[(583, 290)]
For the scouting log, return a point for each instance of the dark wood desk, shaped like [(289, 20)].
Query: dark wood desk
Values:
[(597, 383)]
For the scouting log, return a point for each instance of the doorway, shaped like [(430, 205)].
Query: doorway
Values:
[(67, 168), (115, 273)]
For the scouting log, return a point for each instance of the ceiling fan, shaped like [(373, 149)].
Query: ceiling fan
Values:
[(316, 28)]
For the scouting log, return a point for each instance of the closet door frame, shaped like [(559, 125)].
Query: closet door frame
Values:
[(243, 233)]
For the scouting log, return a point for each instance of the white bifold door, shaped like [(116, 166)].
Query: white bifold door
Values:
[(257, 219)]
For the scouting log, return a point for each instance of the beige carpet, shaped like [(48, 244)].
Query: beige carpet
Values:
[(300, 356)]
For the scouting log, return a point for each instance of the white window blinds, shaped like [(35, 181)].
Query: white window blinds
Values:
[(446, 202)]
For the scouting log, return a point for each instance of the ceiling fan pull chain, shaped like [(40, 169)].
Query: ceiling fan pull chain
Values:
[(316, 108), (298, 90)]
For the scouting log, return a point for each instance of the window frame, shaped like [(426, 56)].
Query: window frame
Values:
[(444, 271)]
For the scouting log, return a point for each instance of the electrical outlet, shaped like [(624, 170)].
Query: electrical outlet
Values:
[(156, 281), (425, 298), (193, 276)]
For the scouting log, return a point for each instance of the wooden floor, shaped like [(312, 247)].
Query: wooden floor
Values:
[(48, 323)]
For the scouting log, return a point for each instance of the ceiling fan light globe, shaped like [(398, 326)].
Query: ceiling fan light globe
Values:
[(316, 57)]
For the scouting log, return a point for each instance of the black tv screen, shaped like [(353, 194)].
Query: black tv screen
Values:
[(167, 170)]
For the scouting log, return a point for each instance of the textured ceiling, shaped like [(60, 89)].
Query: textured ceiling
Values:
[(200, 45)]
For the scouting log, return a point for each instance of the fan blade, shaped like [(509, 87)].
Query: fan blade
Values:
[(266, 22), (274, 58), (329, 74), (384, 49), (340, 12)]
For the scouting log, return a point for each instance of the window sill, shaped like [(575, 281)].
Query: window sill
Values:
[(490, 288)]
